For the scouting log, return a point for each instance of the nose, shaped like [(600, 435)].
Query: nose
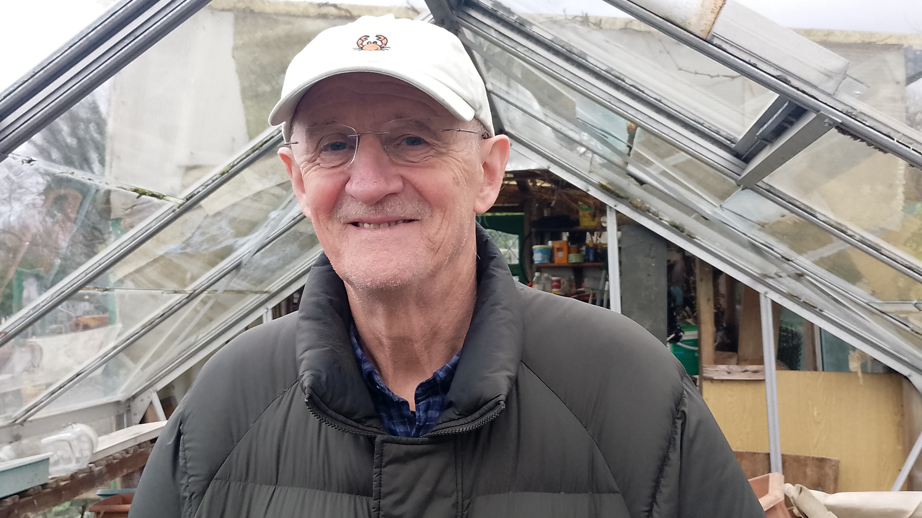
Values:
[(372, 174)]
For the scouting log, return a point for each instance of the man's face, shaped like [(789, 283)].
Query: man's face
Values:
[(385, 224)]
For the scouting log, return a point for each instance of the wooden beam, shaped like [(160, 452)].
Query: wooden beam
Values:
[(728, 293), (704, 283), (733, 372), (750, 341), (809, 351)]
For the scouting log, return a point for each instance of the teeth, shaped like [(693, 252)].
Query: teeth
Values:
[(382, 225)]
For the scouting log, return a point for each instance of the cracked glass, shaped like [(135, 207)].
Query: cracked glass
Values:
[(883, 44), (166, 268), (651, 63), (53, 220), (582, 126)]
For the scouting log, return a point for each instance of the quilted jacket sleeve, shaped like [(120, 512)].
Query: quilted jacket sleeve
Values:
[(159, 493), (700, 476)]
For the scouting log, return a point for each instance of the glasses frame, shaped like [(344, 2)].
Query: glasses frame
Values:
[(484, 135)]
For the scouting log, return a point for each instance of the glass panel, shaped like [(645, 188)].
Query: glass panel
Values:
[(889, 17), (883, 77), (134, 288), (512, 79), (105, 383), (37, 28), (277, 259), (165, 120), (71, 334), (144, 358), (508, 245), (519, 162), (848, 266), (208, 233), (882, 42), (662, 159), (873, 193), (52, 221), (724, 101), (588, 123), (834, 261)]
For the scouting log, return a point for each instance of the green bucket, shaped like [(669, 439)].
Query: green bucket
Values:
[(686, 351)]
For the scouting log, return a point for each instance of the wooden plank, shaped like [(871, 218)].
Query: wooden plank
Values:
[(912, 427), (733, 372), (825, 414), (819, 473), (728, 290), (125, 438), (704, 295), (750, 341), (809, 350)]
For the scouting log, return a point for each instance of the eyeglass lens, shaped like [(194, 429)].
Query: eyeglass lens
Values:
[(409, 141)]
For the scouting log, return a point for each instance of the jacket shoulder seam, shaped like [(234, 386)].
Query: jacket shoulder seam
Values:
[(238, 441), (578, 420), (662, 468)]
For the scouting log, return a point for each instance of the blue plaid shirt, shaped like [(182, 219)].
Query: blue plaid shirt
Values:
[(398, 419)]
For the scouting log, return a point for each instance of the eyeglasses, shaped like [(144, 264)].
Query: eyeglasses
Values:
[(406, 141)]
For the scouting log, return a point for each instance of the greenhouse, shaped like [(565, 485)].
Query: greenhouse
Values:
[(145, 219)]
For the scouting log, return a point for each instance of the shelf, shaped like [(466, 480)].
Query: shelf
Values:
[(569, 229), (567, 265)]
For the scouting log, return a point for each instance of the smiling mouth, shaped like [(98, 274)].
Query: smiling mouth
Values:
[(380, 225)]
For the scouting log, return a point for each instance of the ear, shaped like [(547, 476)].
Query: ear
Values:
[(494, 153), (297, 181)]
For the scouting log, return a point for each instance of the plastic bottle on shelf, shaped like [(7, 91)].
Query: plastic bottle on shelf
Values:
[(71, 448)]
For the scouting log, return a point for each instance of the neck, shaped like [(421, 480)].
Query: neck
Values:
[(411, 332)]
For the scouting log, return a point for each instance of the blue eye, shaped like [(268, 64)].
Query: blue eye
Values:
[(413, 141), (337, 146)]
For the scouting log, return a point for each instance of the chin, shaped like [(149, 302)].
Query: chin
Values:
[(368, 275)]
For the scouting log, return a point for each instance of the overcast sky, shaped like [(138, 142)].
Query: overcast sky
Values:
[(33, 29)]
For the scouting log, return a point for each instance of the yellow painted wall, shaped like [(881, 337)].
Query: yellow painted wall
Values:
[(828, 414)]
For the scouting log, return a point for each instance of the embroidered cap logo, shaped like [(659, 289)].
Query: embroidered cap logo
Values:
[(379, 43)]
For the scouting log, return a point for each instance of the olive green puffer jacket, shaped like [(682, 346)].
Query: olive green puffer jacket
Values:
[(557, 409)]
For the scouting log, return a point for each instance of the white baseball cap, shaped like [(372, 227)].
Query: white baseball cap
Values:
[(421, 54)]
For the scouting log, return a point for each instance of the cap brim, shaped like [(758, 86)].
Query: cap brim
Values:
[(445, 96)]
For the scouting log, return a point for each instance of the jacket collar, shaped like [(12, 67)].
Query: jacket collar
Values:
[(490, 356)]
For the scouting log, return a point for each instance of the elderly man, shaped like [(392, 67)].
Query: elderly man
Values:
[(418, 378)]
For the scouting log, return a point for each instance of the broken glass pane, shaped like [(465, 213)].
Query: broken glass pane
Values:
[(650, 62), (208, 233), (882, 43), (52, 220)]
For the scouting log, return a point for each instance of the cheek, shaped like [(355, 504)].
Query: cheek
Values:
[(322, 192)]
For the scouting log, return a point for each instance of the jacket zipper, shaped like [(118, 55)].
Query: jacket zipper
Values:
[(368, 433), (332, 424), (473, 426)]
